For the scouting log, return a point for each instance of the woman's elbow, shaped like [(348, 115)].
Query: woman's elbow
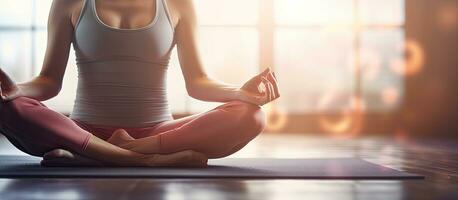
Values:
[(192, 92), (51, 86), (47, 94), (196, 88), (55, 91)]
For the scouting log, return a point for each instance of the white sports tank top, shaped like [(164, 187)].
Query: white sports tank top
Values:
[(122, 72)]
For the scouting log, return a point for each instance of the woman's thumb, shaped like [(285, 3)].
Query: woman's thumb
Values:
[(266, 71)]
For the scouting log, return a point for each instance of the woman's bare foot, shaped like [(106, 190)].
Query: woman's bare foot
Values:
[(64, 158), (117, 156), (187, 158), (120, 138)]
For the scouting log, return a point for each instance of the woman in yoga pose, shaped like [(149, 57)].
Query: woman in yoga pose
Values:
[(121, 114)]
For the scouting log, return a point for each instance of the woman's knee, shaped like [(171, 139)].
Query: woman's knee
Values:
[(22, 110), (15, 118), (18, 106), (251, 119), (38, 128)]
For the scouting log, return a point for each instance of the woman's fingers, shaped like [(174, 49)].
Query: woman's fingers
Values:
[(269, 91), (273, 80), (6, 80), (261, 87), (267, 94), (271, 86), (8, 97), (274, 95), (1, 93), (8, 89), (265, 72)]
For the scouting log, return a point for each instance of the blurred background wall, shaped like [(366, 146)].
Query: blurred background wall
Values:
[(430, 106), (345, 67)]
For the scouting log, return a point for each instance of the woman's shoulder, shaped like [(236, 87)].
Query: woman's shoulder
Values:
[(67, 5), (67, 8), (180, 8), (180, 5)]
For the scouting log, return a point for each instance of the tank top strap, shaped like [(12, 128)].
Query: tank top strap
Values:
[(167, 12), (84, 9), (91, 7)]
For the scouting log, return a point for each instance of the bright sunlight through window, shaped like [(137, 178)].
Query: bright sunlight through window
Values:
[(324, 51)]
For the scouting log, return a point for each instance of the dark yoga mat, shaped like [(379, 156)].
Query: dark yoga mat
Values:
[(251, 168)]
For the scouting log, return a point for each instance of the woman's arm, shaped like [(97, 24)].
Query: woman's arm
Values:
[(49, 82), (198, 84)]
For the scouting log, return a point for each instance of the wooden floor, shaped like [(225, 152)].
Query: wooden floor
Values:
[(435, 159)]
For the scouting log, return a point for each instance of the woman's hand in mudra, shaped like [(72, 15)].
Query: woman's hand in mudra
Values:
[(8, 89), (260, 89)]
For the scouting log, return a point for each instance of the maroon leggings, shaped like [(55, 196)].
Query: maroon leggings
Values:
[(36, 129)]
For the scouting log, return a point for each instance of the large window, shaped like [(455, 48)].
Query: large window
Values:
[(330, 51), (325, 52)]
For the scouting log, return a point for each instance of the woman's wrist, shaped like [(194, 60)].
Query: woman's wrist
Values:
[(237, 94), (241, 95)]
